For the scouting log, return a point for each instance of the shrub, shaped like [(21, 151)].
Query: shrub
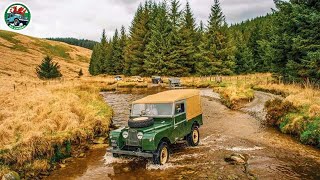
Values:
[(276, 110), (48, 69), (80, 73), (311, 134), (235, 96)]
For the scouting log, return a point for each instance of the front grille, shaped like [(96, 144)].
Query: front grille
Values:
[(132, 138)]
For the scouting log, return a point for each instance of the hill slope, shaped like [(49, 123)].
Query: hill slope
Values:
[(21, 54)]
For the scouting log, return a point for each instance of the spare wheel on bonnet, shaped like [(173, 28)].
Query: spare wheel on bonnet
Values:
[(140, 122)]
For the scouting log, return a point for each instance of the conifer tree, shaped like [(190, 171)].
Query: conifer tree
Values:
[(254, 46), (297, 41), (176, 60), (116, 55), (189, 41), (216, 49), (94, 66), (122, 44), (48, 69), (157, 62), (80, 73), (105, 63), (135, 49)]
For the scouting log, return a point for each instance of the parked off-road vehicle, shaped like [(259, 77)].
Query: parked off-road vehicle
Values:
[(157, 122), (156, 80), (117, 78), (16, 19), (174, 82)]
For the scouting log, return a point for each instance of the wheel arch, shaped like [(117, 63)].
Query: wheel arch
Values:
[(195, 123), (165, 139)]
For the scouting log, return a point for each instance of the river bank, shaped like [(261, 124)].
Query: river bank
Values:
[(41, 126)]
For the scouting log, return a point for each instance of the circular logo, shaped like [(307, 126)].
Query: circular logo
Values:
[(17, 16)]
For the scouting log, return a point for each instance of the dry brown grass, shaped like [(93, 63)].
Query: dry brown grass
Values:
[(37, 116), (304, 120), (235, 95), (34, 120), (21, 54), (299, 96)]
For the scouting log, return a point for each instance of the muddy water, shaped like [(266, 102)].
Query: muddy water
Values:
[(272, 155)]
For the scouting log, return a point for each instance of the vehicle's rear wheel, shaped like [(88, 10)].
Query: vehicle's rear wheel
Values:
[(194, 137), (161, 156), (16, 22)]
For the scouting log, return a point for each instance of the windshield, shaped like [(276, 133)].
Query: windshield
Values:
[(152, 110)]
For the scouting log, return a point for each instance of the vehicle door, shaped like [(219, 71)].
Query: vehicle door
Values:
[(180, 119)]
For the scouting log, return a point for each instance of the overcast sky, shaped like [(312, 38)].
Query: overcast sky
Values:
[(86, 19)]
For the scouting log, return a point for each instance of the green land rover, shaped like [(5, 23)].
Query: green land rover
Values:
[(158, 121)]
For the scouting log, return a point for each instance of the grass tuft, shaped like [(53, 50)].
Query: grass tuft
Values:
[(234, 96)]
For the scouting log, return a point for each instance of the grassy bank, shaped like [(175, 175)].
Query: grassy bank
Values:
[(235, 91), (42, 125), (298, 114), (235, 95)]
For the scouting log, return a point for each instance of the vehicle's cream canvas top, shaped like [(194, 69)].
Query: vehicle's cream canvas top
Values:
[(193, 107), (168, 96)]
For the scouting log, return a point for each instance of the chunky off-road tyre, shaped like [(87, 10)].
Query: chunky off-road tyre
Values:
[(16, 22), (140, 122), (115, 155), (161, 156), (194, 137)]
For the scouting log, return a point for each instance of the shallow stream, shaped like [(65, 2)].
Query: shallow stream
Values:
[(272, 155)]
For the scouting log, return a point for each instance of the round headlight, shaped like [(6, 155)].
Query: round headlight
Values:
[(125, 134), (140, 135)]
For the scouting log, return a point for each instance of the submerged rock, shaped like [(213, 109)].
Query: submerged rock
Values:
[(82, 155), (11, 176), (236, 158), (62, 165)]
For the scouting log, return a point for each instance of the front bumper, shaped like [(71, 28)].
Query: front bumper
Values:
[(131, 153)]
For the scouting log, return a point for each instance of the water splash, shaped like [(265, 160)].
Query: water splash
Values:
[(151, 166), (109, 159), (240, 148)]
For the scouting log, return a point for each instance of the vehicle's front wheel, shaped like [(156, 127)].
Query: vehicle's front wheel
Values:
[(194, 137), (161, 156), (115, 155), (16, 22)]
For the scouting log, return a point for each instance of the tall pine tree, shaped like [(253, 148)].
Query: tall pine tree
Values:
[(135, 49), (157, 61), (216, 50)]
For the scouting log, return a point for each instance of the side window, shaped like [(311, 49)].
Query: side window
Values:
[(180, 108)]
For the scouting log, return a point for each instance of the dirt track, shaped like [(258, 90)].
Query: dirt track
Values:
[(272, 155)]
